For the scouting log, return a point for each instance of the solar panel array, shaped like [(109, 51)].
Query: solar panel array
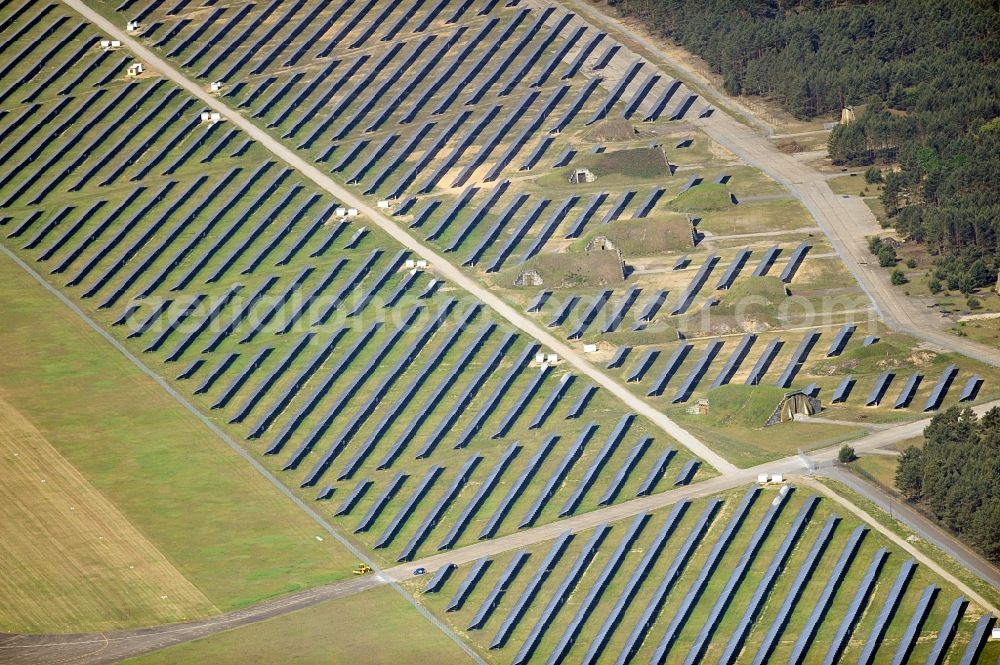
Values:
[(191, 223), (301, 327), (744, 566)]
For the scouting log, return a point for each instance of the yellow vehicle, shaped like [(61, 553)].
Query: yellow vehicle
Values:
[(362, 569)]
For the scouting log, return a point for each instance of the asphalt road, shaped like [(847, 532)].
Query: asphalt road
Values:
[(900, 542), (922, 526)]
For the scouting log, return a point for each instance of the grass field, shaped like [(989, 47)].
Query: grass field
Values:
[(377, 626), (215, 519), (881, 467), (71, 559)]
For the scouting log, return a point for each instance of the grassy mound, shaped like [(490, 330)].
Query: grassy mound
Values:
[(612, 129), (645, 237), (570, 270), (877, 358), (751, 305), (702, 198), (742, 406), (642, 163)]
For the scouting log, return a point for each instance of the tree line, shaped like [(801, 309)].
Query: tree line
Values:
[(956, 475), (925, 75)]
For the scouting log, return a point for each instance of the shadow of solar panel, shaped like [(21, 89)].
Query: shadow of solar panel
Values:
[(941, 388), (659, 596), (599, 301), (683, 107), (639, 96), (687, 472), (468, 585), (517, 487), (240, 379), (660, 105), (971, 389), (843, 390), (692, 290), (391, 489), (178, 320), (354, 497), (499, 590), (669, 369), (527, 596), (439, 508), (440, 577), (216, 373), (794, 261), (879, 389), (642, 366), (482, 494), (697, 372), (909, 388), (798, 359)]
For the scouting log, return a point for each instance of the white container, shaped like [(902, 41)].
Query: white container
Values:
[(410, 263), (340, 212), (777, 478), (540, 358), (421, 263), (216, 86), (384, 204), (132, 26), (762, 478), (352, 212), (552, 358), (590, 348)]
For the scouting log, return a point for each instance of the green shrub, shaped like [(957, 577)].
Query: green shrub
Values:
[(873, 175)]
